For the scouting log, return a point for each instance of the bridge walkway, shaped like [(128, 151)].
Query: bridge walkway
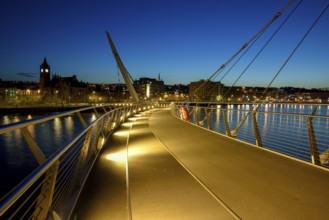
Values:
[(181, 171)]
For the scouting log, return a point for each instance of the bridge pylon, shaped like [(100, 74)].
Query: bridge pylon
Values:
[(123, 70)]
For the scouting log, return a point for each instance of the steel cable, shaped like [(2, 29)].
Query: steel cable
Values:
[(265, 45), (295, 49), (245, 45)]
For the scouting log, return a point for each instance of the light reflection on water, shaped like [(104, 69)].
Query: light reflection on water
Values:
[(15, 155), (285, 133)]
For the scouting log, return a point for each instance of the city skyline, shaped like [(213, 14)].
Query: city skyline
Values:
[(183, 41)]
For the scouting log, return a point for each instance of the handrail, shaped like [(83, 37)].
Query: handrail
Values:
[(20, 189), (302, 136), (35, 195), (14, 126)]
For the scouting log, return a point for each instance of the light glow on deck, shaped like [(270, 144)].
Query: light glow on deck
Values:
[(121, 156), (121, 133), (127, 124), (132, 119)]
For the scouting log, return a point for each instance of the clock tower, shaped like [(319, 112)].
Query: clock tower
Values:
[(44, 76)]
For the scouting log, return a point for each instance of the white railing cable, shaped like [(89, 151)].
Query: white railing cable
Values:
[(286, 133), (70, 171)]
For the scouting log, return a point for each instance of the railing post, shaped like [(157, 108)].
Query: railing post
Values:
[(104, 109), (109, 126), (96, 112), (227, 127), (106, 124), (96, 145), (256, 130), (125, 113), (235, 131), (313, 145), (48, 186), (83, 121), (114, 118), (47, 192), (208, 111), (84, 152), (118, 115), (196, 115), (39, 156)]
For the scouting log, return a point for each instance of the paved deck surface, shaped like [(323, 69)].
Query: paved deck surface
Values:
[(180, 171)]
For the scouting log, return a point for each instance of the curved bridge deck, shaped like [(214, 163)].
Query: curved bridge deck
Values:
[(180, 171)]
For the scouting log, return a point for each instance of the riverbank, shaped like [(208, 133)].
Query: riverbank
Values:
[(36, 109)]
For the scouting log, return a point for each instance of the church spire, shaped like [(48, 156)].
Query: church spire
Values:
[(44, 75), (44, 62)]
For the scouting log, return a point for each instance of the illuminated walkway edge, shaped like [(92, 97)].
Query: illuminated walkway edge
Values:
[(254, 183)]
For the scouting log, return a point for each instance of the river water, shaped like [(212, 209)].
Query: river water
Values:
[(17, 161), (282, 127)]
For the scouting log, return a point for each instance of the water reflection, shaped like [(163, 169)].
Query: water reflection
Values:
[(15, 155), (69, 123), (285, 133), (57, 125)]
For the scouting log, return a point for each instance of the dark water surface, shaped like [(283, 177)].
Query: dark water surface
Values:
[(17, 160)]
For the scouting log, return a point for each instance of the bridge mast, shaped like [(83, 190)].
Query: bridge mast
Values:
[(123, 70)]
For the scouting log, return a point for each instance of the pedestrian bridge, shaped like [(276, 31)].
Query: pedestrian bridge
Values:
[(157, 166)]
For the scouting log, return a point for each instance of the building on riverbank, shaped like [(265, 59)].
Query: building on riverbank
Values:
[(206, 91), (61, 89), (149, 88)]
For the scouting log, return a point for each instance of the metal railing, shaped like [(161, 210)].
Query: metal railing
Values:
[(302, 136), (52, 189)]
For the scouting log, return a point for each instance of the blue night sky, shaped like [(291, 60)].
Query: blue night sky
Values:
[(183, 40)]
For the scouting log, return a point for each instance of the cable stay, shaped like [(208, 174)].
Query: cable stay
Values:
[(241, 56), (295, 49), (245, 45), (239, 59), (256, 106), (119, 83), (265, 45), (131, 78)]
